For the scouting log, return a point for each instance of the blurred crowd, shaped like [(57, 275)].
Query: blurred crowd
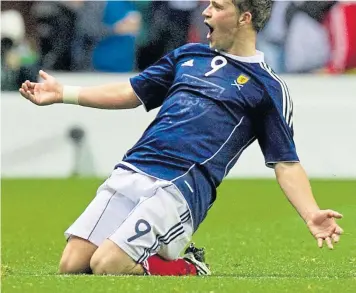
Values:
[(126, 36)]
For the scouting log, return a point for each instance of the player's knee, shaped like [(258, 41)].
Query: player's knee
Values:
[(101, 265), (76, 257), (72, 266), (104, 263), (110, 259)]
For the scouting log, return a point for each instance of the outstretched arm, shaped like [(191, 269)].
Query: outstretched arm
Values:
[(107, 96), (295, 184)]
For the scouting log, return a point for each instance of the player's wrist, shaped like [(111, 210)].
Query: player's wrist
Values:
[(310, 215), (70, 94)]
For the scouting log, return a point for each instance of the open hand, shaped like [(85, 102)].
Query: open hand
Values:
[(324, 228), (48, 92)]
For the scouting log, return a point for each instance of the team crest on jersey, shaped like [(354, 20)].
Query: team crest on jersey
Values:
[(242, 79)]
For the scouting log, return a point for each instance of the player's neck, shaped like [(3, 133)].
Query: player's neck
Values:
[(244, 45)]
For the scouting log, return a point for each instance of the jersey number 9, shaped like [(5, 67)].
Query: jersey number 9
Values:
[(217, 63)]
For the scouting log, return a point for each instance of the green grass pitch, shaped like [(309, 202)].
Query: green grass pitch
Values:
[(254, 239)]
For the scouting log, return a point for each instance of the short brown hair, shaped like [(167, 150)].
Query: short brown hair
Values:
[(259, 9)]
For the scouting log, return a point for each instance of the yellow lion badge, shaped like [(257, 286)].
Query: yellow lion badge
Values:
[(242, 79)]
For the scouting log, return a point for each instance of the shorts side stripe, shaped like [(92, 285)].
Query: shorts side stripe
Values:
[(102, 213)]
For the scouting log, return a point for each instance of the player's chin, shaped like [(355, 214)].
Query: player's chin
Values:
[(212, 45), (216, 46)]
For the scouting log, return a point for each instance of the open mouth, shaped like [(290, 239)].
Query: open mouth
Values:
[(211, 30)]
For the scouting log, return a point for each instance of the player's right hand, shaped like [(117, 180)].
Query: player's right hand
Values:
[(48, 92), (324, 228)]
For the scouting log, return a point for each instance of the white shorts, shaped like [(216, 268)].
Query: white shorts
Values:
[(141, 214)]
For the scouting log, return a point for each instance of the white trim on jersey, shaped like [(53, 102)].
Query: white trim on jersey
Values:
[(271, 164), (259, 57), (132, 167), (232, 132), (287, 101), (190, 188), (191, 167), (138, 97), (239, 153)]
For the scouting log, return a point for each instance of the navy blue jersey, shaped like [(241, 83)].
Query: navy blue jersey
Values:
[(213, 106)]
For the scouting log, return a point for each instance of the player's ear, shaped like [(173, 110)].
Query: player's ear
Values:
[(245, 18)]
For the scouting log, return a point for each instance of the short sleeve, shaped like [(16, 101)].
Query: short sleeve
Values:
[(274, 132), (152, 85)]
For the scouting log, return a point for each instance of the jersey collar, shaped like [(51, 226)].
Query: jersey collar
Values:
[(259, 57)]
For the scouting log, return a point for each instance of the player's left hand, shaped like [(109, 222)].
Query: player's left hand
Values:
[(324, 228)]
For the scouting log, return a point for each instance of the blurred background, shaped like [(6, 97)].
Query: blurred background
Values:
[(312, 44), (125, 36)]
